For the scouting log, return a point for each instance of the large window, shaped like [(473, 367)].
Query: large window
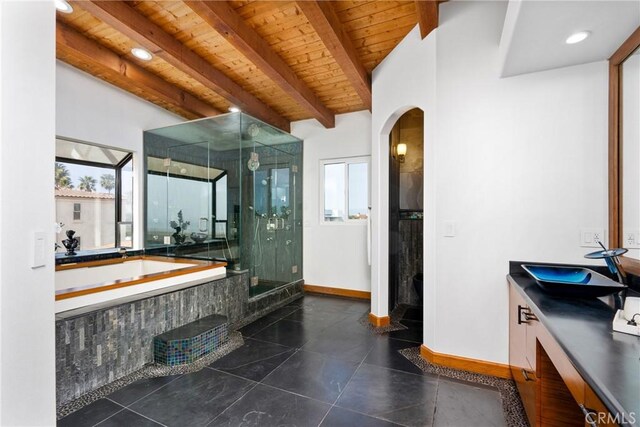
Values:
[(345, 190), (94, 194), (196, 192)]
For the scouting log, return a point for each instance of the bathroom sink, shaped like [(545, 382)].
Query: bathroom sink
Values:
[(572, 281)]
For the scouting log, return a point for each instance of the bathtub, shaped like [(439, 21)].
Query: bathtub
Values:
[(95, 282)]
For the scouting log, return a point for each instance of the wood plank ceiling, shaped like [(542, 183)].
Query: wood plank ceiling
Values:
[(279, 61)]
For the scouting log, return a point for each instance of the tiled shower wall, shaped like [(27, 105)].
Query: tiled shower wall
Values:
[(410, 258), (97, 348)]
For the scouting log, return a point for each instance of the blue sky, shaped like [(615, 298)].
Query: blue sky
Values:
[(76, 171)]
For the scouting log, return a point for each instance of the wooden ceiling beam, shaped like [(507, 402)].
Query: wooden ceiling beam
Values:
[(125, 19), (326, 23), (72, 44), (222, 18), (427, 11)]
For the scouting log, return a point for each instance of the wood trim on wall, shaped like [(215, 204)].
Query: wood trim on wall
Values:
[(615, 220), (351, 293), (463, 363), (630, 265), (379, 321), (615, 147)]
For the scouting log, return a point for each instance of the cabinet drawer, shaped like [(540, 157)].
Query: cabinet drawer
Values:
[(527, 383)]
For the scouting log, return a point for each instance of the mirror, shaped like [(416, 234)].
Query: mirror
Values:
[(624, 151), (630, 158)]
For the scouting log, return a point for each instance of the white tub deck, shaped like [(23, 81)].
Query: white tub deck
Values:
[(84, 284)]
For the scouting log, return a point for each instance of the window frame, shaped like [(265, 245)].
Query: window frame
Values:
[(346, 161), (214, 204), (117, 168), (79, 212)]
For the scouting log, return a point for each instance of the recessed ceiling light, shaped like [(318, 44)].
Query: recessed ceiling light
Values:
[(234, 109), (63, 6), (141, 53), (577, 37)]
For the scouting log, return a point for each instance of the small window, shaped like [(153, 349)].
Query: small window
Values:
[(77, 211), (345, 190)]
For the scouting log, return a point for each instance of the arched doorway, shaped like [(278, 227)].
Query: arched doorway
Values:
[(405, 203)]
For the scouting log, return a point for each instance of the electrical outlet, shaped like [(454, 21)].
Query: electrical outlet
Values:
[(589, 237), (631, 239)]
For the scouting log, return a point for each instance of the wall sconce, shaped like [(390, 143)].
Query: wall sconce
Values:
[(401, 151)]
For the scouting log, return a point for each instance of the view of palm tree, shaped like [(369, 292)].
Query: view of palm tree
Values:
[(108, 182), (62, 178), (87, 183)]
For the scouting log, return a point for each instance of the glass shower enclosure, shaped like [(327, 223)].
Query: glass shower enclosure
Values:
[(227, 188)]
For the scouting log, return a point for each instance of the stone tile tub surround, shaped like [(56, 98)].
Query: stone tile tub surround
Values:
[(98, 347), (95, 347)]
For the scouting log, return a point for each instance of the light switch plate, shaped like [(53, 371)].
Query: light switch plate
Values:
[(38, 249), (450, 229)]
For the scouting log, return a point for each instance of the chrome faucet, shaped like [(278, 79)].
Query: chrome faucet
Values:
[(610, 256), (615, 266)]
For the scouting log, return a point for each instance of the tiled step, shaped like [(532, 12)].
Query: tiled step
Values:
[(190, 342)]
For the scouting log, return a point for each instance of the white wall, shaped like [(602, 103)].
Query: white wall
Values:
[(27, 134), (334, 255), (88, 109), (404, 80), (519, 164)]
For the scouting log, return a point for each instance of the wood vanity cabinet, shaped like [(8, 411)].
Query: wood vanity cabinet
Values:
[(551, 389), (522, 353), (594, 404)]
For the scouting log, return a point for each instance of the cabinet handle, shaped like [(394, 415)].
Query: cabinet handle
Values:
[(530, 316), (589, 415), (525, 374), (522, 309)]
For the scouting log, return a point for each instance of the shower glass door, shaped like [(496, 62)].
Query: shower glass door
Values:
[(274, 218)]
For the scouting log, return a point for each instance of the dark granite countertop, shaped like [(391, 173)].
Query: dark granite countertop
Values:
[(608, 361)]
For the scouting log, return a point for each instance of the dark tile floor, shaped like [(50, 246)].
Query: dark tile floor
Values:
[(307, 364)]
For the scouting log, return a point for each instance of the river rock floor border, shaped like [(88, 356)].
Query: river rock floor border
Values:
[(514, 413), (394, 324), (150, 371)]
